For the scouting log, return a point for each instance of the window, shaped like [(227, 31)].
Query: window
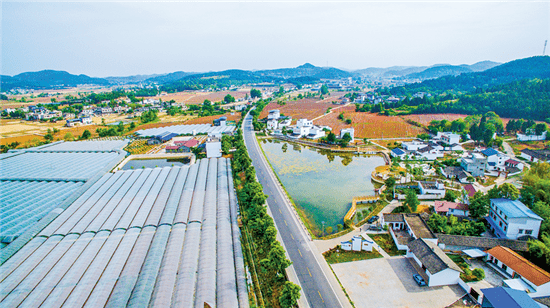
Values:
[(500, 224), (520, 231), (505, 217), (529, 232), (504, 267), (505, 228)]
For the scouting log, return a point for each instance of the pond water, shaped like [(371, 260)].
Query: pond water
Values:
[(321, 183), (153, 163)]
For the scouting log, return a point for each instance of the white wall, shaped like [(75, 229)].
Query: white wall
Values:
[(445, 277)]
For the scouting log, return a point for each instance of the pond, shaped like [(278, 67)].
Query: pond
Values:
[(153, 163), (321, 183)]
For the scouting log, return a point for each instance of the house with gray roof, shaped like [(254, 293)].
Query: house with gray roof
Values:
[(438, 267), (512, 219)]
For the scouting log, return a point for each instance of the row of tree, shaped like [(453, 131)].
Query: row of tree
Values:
[(269, 254)]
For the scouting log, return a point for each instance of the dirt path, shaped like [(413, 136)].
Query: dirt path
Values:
[(331, 110)]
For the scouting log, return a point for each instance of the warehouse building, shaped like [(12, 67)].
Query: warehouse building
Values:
[(162, 237)]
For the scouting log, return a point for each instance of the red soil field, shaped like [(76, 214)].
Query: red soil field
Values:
[(370, 125), (425, 119)]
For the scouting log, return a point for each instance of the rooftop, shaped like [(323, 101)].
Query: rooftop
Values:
[(489, 152), (470, 189), (418, 226), (123, 241), (481, 242), (501, 297), (514, 208), (431, 256), (520, 265), (444, 206), (187, 129), (38, 181)]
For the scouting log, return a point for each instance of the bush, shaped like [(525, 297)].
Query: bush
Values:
[(479, 273)]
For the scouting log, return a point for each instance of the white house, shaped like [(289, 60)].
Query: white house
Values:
[(431, 188), (512, 219), (358, 243), (304, 123), (451, 208), (413, 145), (300, 131), (523, 274), (448, 137), (274, 114), (531, 137), (474, 163), (350, 130), (315, 133), (438, 267), (397, 152), (429, 153), (536, 155), (272, 124), (495, 160)]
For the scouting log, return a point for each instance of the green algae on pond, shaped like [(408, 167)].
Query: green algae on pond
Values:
[(321, 183)]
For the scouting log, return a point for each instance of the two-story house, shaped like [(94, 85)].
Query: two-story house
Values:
[(512, 219), (495, 160), (474, 164)]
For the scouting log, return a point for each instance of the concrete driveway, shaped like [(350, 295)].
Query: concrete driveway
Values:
[(388, 282)]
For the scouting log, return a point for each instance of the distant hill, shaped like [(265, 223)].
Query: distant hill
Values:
[(534, 67), (439, 71), (305, 70), (131, 79), (165, 78), (424, 72), (482, 66), (48, 79)]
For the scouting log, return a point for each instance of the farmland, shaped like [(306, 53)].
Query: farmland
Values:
[(369, 125), (425, 119), (209, 119), (197, 97)]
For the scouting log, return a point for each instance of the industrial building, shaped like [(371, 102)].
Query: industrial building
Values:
[(161, 237)]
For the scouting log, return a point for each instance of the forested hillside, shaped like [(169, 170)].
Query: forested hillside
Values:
[(534, 67)]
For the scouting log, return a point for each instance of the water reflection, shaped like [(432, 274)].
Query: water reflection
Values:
[(321, 182)]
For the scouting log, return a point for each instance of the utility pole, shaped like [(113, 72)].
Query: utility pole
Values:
[(544, 49)]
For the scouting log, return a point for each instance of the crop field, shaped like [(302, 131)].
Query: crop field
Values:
[(370, 125), (139, 147), (425, 119), (308, 109), (209, 119), (58, 94), (214, 96)]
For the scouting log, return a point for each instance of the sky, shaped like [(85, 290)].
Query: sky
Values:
[(121, 38)]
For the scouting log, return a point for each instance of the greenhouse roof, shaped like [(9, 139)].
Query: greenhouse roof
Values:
[(123, 242), (187, 129), (36, 181)]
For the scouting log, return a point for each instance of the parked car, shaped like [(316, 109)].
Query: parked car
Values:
[(373, 219), (375, 228), (419, 280)]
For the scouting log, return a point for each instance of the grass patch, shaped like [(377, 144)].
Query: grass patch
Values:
[(468, 275), (385, 241), (338, 255)]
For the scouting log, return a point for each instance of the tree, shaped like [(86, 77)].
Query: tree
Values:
[(132, 126), (229, 99), (290, 294), (479, 205), (341, 116), (86, 134), (328, 229), (68, 137), (540, 128), (331, 138), (437, 223), (450, 195), (508, 191), (324, 89), (345, 140), (411, 200), (340, 227), (348, 121), (255, 93)]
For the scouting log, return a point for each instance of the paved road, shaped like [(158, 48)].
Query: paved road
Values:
[(315, 284)]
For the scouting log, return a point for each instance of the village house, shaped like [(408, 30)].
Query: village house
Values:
[(536, 155), (495, 160), (431, 188), (357, 243), (512, 219), (406, 227), (447, 208), (523, 274), (220, 122), (315, 132), (454, 172), (474, 163), (429, 153), (470, 192), (438, 267), (274, 114), (182, 146), (397, 152), (447, 137), (413, 145), (79, 121), (513, 167), (351, 132)]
